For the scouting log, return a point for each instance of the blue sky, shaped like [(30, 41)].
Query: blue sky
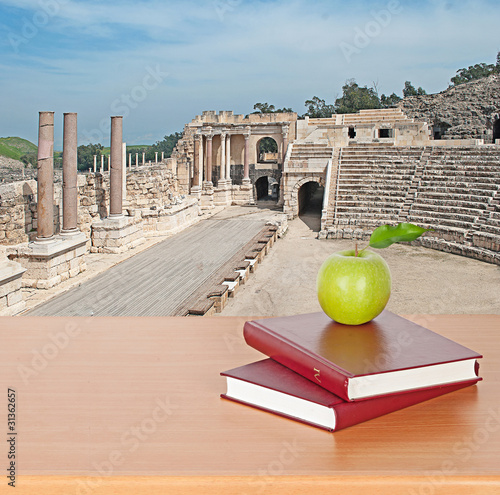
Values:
[(160, 63)]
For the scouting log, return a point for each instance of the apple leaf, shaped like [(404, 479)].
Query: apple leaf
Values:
[(385, 235)]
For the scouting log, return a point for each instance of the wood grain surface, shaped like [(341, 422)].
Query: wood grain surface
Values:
[(131, 405)]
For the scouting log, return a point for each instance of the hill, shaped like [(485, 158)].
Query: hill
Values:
[(469, 110), (16, 147)]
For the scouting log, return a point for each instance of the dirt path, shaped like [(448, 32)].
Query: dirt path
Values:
[(424, 281)]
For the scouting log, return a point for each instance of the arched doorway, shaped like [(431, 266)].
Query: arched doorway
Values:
[(496, 130), (267, 150), (310, 200), (267, 189), (439, 130)]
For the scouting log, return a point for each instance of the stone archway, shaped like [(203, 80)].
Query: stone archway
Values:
[(267, 150), (310, 204), (496, 129), (292, 203)]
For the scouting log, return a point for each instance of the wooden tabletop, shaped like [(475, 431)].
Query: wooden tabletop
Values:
[(131, 406)]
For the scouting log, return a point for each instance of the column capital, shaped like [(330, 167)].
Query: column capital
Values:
[(209, 136), (197, 136)]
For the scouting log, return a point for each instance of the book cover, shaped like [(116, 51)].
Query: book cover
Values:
[(387, 355), (271, 386)]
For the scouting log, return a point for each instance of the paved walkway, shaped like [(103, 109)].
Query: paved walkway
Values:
[(156, 281)]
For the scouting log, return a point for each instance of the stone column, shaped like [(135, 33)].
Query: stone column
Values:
[(116, 168), (143, 159), (209, 158), (45, 177), (70, 189), (95, 164), (130, 160), (196, 161), (156, 157), (228, 157), (162, 155), (246, 163), (223, 156), (202, 160), (137, 159), (102, 164), (124, 171), (284, 131)]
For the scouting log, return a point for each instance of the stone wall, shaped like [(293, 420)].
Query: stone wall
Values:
[(153, 187), (467, 111), (17, 211)]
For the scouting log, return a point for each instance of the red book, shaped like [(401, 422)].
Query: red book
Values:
[(272, 387), (387, 355)]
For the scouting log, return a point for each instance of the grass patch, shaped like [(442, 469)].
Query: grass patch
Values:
[(16, 147)]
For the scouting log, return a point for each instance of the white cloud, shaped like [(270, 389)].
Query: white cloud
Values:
[(282, 52)]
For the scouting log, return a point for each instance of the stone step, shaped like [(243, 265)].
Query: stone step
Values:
[(438, 218), (470, 214), (439, 225), (431, 191), (480, 206)]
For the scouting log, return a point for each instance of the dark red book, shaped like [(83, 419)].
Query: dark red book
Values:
[(387, 355), (272, 387)]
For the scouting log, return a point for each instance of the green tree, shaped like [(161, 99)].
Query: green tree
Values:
[(167, 145), (355, 98), (409, 90), (318, 108), (268, 145), (266, 108), (473, 72), (86, 154), (389, 101)]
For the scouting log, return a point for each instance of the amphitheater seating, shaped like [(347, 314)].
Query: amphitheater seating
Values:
[(454, 190), (373, 182)]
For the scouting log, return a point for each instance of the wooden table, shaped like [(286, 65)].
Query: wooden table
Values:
[(131, 406)]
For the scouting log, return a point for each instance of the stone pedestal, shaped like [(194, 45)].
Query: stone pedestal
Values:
[(196, 192), (222, 194), (48, 263), (207, 196), (116, 235), (242, 194), (11, 296)]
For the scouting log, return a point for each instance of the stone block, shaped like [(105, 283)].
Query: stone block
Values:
[(14, 297)]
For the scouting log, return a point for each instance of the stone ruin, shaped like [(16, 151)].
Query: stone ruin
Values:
[(47, 228), (372, 167)]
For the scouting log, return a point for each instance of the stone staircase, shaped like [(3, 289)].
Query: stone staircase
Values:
[(453, 190), (372, 185), (311, 156), (374, 116), (458, 196)]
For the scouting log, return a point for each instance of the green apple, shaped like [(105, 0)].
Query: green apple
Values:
[(353, 289)]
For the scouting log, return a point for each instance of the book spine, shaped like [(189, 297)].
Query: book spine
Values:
[(296, 358)]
